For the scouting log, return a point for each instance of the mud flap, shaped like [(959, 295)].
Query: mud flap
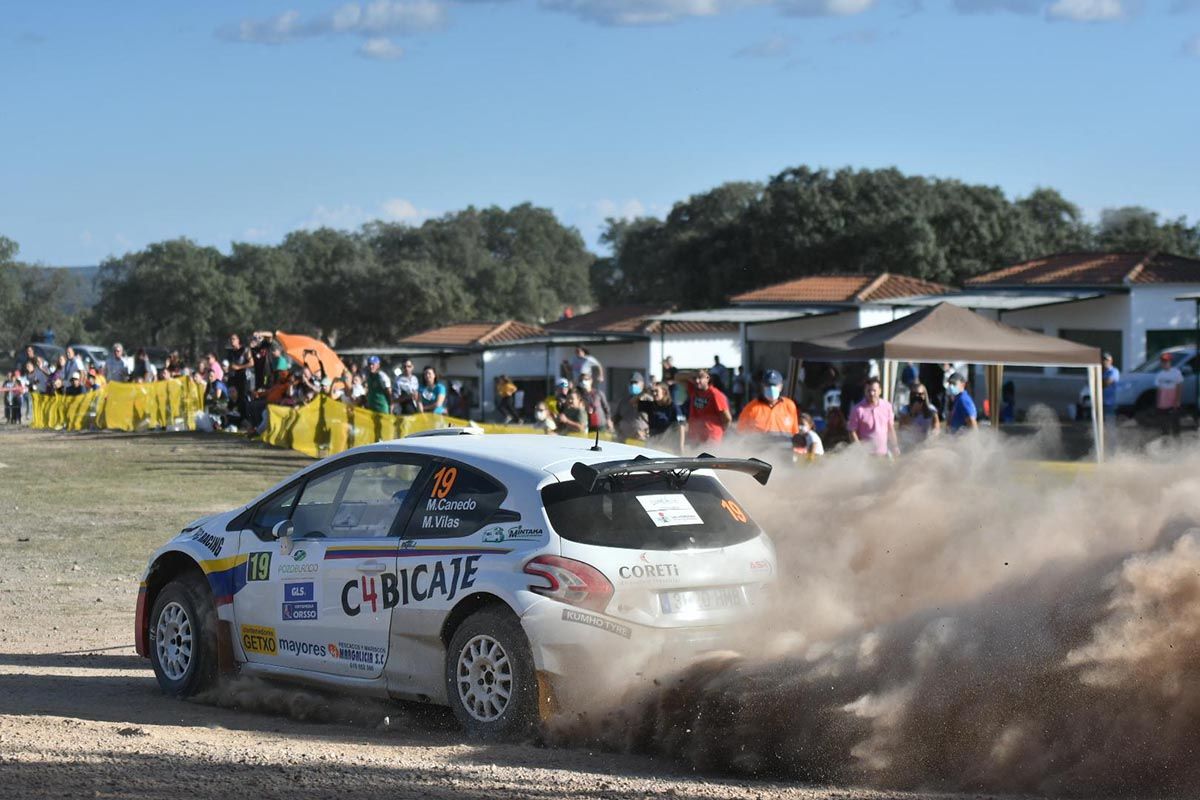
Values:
[(226, 663), (547, 704)]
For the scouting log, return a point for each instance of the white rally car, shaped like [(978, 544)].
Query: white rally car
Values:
[(498, 574)]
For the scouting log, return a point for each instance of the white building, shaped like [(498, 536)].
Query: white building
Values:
[(815, 305), (624, 339)]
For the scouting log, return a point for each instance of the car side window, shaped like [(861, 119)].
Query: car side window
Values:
[(359, 500), (456, 500), (275, 510)]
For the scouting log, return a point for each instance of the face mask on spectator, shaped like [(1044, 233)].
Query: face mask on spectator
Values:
[(954, 389), (585, 384), (772, 392), (539, 414), (635, 389)]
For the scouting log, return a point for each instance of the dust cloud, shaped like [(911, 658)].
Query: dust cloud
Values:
[(962, 619), (303, 705)]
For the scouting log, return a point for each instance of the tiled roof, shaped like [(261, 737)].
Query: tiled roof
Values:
[(633, 319), (468, 334), (1094, 269), (841, 289)]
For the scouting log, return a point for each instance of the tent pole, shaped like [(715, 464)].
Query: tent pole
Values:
[(1097, 388), (886, 374), (995, 374)]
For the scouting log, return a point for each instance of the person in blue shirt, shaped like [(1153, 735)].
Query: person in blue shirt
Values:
[(962, 410), (1109, 375)]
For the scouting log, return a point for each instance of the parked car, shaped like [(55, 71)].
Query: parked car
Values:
[(92, 355), (47, 352), (1136, 392), (495, 574)]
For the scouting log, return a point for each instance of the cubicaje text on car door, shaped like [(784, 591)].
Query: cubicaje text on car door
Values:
[(343, 544)]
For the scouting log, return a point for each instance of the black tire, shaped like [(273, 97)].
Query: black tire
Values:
[(477, 699), (184, 617)]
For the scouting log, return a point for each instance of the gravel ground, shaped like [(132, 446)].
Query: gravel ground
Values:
[(81, 714)]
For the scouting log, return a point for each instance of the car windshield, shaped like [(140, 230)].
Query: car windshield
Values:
[(1179, 358), (645, 511)]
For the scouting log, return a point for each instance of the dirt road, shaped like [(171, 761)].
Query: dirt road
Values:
[(81, 715)]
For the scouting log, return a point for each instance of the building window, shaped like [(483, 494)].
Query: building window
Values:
[(1107, 341), (1163, 338)]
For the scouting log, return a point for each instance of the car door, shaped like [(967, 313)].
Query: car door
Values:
[(319, 600), (458, 541)]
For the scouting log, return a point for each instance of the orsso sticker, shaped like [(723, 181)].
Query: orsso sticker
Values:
[(422, 582)]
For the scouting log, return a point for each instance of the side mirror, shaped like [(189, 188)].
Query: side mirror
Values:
[(283, 529)]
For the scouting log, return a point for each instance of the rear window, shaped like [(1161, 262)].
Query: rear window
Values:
[(645, 512)]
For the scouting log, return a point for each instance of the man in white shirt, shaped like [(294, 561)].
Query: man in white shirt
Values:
[(117, 367), (586, 363), (1169, 383)]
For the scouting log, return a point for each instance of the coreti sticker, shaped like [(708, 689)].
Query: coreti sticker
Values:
[(665, 510)]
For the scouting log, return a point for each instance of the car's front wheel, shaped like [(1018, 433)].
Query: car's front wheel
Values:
[(490, 679), (183, 637)]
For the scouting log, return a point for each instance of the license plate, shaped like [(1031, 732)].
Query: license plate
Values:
[(702, 600)]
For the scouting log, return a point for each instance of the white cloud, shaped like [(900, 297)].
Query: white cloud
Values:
[(256, 234), (398, 209), (371, 20), (642, 12), (350, 216), (1192, 46), (826, 8), (1086, 10), (380, 48), (772, 47), (991, 6), (619, 209), (661, 12)]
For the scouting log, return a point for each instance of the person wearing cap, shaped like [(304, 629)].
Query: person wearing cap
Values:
[(74, 385), (558, 401), (632, 416), (1109, 377), (1168, 381), (379, 388), (770, 413)]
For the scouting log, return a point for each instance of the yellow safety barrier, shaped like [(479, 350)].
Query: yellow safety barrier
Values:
[(165, 404), (320, 428), (326, 426)]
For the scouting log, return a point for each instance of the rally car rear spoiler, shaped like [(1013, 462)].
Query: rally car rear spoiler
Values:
[(590, 475)]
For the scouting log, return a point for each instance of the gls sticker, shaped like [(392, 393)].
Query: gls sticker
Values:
[(409, 586)]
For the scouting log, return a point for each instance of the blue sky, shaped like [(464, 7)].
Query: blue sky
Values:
[(132, 122)]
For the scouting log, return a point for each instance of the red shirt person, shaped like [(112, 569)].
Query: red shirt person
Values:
[(708, 410)]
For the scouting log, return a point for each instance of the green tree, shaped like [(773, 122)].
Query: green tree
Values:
[(1133, 228), (172, 294)]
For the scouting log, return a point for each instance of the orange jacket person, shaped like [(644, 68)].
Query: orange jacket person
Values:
[(770, 413)]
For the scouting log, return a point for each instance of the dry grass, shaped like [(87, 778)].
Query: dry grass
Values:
[(81, 512)]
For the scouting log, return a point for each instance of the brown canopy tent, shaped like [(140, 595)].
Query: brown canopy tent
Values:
[(948, 333)]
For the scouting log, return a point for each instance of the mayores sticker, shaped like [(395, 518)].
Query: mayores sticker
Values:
[(665, 510)]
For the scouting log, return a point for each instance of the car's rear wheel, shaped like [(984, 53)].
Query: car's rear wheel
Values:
[(490, 679), (183, 637)]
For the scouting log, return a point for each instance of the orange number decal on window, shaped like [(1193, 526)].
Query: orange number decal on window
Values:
[(734, 510), (443, 481)]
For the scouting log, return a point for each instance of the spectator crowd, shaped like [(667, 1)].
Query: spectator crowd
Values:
[(681, 411)]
